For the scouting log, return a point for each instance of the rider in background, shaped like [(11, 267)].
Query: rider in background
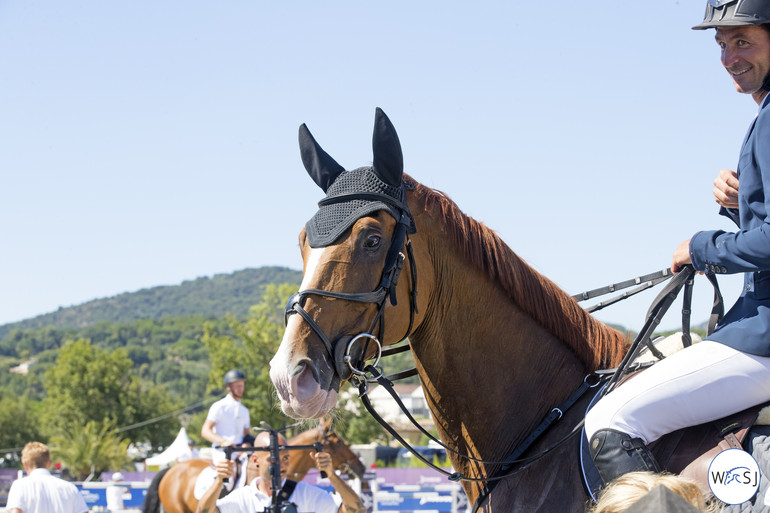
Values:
[(228, 422), (730, 370), (257, 496)]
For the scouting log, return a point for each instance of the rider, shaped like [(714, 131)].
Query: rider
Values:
[(257, 496), (227, 422), (730, 370)]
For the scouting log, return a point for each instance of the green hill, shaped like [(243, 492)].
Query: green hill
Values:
[(209, 297)]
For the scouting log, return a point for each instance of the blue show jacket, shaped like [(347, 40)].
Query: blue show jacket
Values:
[(746, 326)]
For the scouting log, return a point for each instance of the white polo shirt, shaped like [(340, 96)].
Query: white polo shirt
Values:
[(114, 494), (308, 498), (230, 418), (40, 492)]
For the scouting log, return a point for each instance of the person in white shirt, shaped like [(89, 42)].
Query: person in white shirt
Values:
[(257, 495), (192, 454), (227, 422), (39, 491), (115, 493)]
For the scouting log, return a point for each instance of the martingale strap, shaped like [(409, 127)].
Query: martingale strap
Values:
[(507, 469)]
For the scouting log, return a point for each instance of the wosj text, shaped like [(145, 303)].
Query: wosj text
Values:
[(738, 475)]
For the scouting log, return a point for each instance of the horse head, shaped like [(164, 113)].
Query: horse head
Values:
[(352, 258), (343, 458)]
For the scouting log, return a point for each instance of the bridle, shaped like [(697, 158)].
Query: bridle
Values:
[(346, 364)]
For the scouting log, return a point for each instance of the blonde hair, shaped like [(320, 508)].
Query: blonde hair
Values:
[(621, 493), (36, 455)]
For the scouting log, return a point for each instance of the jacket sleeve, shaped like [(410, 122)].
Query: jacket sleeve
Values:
[(748, 249)]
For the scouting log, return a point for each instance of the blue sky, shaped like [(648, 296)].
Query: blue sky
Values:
[(146, 143)]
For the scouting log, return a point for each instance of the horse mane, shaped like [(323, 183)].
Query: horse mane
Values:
[(593, 342)]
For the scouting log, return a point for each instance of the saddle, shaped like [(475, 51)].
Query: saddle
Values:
[(207, 476), (687, 451)]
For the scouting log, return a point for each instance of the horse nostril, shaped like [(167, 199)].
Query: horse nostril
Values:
[(304, 379), (303, 368)]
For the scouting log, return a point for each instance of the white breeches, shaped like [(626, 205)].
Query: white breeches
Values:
[(705, 382)]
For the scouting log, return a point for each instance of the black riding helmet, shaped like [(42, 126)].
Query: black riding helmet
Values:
[(233, 375), (733, 13)]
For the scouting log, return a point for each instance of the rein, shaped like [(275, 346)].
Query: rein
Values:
[(683, 279)]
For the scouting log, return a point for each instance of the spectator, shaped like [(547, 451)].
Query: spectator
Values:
[(39, 491), (192, 454), (258, 494), (635, 489), (115, 493)]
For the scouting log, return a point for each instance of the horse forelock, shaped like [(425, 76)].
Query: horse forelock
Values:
[(595, 343)]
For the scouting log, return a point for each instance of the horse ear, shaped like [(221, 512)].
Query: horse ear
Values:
[(319, 165), (388, 158)]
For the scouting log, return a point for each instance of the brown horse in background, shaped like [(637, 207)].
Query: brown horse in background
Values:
[(173, 487), (497, 345), (343, 458)]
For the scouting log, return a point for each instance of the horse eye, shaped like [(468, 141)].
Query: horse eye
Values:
[(372, 242)]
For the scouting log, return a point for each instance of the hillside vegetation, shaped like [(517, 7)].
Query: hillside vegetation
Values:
[(206, 297)]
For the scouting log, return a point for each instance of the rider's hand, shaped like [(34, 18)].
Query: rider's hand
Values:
[(323, 461), (681, 256), (224, 469), (726, 188)]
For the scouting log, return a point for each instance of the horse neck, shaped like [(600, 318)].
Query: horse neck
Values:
[(489, 371), (299, 466)]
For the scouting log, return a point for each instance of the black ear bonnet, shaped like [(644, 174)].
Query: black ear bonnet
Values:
[(351, 195), (334, 217)]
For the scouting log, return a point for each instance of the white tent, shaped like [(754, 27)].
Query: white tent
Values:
[(179, 449)]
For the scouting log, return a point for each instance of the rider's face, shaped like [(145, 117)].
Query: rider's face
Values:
[(237, 388), (745, 56)]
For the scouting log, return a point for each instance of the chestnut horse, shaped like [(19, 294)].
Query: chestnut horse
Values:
[(173, 487), (497, 345)]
